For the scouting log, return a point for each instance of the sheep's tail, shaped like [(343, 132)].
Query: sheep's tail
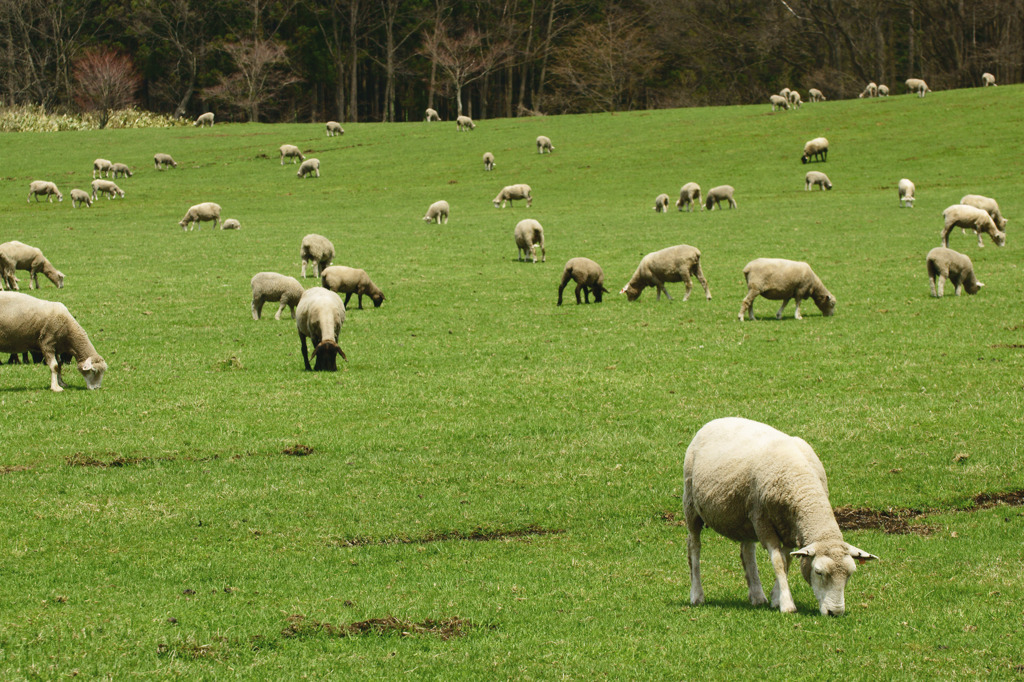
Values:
[(326, 356)]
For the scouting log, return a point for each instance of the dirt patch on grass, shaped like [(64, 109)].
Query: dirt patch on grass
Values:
[(298, 450), (892, 521), (14, 468), (445, 628), (1014, 498), (80, 459), (477, 534), (1007, 345)]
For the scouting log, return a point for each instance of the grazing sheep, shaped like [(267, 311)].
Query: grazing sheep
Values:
[(716, 195), (689, 196), (906, 190), (334, 128), (319, 316), (971, 218), (544, 143), (752, 483), (464, 123), (661, 203), (432, 115), (42, 188), (437, 211), (784, 92), (529, 235), (108, 187), (795, 100), (204, 120), (674, 264), (956, 267), (870, 91), (292, 152), (780, 279), (488, 161), (816, 95), (589, 278), (883, 90), (161, 160), (816, 148), (318, 250), (779, 102), (30, 324), (195, 216), (988, 205), (510, 192), (120, 170), (988, 79), (101, 166), (231, 224), (917, 85), (25, 257), (348, 281), (816, 178), (271, 286), (308, 167), (80, 196)]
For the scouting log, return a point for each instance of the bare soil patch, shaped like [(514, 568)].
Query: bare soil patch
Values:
[(445, 628), (892, 521), (477, 534)]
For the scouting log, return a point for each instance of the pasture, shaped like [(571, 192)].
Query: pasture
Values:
[(491, 486)]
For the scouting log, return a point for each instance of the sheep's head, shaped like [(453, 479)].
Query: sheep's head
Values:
[(377, 298), (999, 238), (60, 197), (325, 356), (803, 159), (973, 286), (827, 567), (92, 368), (59, 279), (826, 304)]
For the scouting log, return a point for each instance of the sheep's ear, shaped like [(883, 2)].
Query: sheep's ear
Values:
[(623, 289), (859, 554), (805, 551), (342, 354), (981, 284), (87, 365)]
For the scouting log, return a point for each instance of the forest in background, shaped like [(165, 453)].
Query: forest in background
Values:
[(387, 60)]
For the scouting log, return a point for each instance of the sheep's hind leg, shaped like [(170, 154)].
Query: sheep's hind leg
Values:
[(747, 306), (754, 589), (257, 308), (693, 555), (280, 310), (931, 281), (942, 282)]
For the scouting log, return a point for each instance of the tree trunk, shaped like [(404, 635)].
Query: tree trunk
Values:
[(527, 59), (458, 98), (354, 85)]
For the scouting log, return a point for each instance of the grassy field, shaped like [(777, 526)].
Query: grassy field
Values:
[(491, 487)]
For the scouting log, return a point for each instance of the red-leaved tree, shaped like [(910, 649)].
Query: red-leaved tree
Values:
[(104, 81)]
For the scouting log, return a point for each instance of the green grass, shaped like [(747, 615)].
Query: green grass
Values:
[(472, 404)]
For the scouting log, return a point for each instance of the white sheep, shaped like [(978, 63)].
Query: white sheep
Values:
[(348, 281), (948, 264), (971, 218), (779, 102), (544, 144), (43, 188), (815, 149), (308, 168), (689, 196), (319, 316), (101, 166), (816, 95), (432, 115), (752, 483), (870, 91), (488, 161), (292, 152), (231, 224), (816, 178), (510, 192), (673, 264), (318, 250), (905, 190), (108, 187), (784, 92), (161, 160), (529, 235), (883, 90), (464, 123), (204, 120), (271, 286), (795, 100), (589, 278), (19, 256), (917, 85), (334, 128), (80, 196), (30, 324), (987, 204), (988, 79), (437, 211), (716, 195), (778, 279), (196, 215), (661, 203), (120, 170)]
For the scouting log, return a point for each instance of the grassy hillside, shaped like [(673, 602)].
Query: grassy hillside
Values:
[(484, 454)]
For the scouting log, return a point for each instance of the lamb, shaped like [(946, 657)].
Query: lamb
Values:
[(971, 218), (988, 79), (120, 170), (308, 167), (79, 196), (779, 102), (716, 195), (432, 115), (784, 92), (30, 324), (529, 235), (780, 279), (292, 152), (16, 255), (204, 120), (883, 90), (488, 161), (589, 278), (544, 143), (510, 192), (318, 250), (196, 215), (101, 166), (956, 267), (816, 95), (108, 187), (231, 224), (816, 178), (334, 128), (816, 148), (661, 203), (906, 190), (348, 281), (753, 483), (271, 286), (673, 264), (437, 211), (42, 188), (795, 100), (988, 205), (161, 160), (917, 85), (689, 196), (870, 91), (464, 123), (319, 316)]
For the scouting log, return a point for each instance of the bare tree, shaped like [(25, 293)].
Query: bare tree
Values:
[(393, 41), (463, 59), (262, 72), (104, 81)]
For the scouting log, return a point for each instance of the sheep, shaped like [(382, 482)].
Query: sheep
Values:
[(488, 161), (319, 316), (971, 218), (780, 279), (917, 85), (30, 324), (528, 235), (196, 215), (80, 196), (816, 148), (816, 178), (544, 143), (988, 79), (883, 90), (204, 120), (120, 170), (334, 128), (870, 91), (510, 192), (816, 95), (905, 190), (784, 92), (101, 166), (988, 205), (673, 264), (689, 196), (348, 281), (956, 267), (24, 257), (43, 188), (464, 123), (589, 278), (437, 211), (716, 195), (661, 203), (778, 102), (318, 250), (795, 100), (108, 187), (752, 483), (432, 115), (292, 152), (161, 160), (271, 286), (308, 167), (231, 224)]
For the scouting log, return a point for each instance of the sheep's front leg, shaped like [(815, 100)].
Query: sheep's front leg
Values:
[(56, 382), (305, 352), (749, 559), (981, 244), (662, 289), (689, 287), (304, 261), (781, 596), (778, 314), (797, 314)]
